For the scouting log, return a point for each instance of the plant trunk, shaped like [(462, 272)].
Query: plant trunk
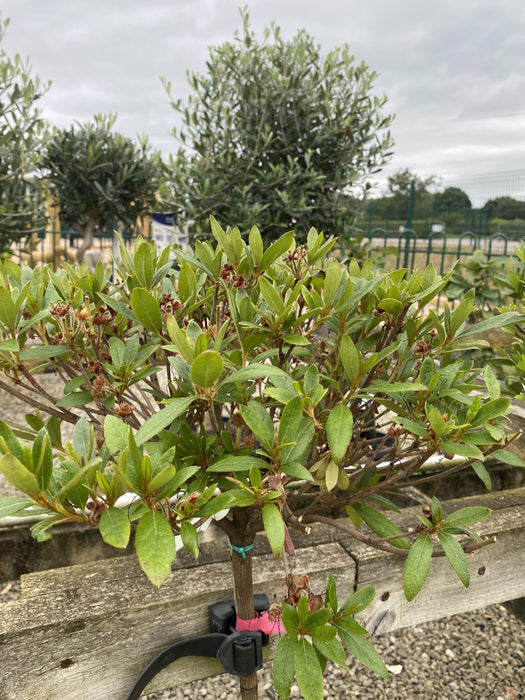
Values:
[(243, 596), (87, 242)]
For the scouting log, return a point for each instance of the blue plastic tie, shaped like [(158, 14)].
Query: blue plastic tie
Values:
[(240, 550)]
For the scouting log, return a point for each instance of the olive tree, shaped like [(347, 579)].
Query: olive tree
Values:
[(277, 135), (22, 131), (98, 176)]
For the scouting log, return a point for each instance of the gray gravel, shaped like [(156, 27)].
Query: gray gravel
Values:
[(475, 656)]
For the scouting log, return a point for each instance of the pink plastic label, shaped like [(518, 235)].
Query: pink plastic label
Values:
[(260, 622)]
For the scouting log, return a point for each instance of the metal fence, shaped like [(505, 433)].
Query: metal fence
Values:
[(407, 249)]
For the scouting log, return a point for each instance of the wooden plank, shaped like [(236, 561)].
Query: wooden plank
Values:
[(89, 630)]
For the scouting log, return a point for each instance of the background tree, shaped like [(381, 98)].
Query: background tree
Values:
[(277, 135), (505, 208), (22, 132), (452, 199), (98, 177)]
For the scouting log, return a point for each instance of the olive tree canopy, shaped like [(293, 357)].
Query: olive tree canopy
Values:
[(22, 131), (98, 176), (277, 135)]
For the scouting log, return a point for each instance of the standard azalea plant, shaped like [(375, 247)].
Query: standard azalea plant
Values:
[(269, 384)]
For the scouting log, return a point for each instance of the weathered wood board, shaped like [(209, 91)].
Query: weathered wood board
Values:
[(88, 630)]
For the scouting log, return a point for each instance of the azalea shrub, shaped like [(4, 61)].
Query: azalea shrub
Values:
[(271, 385)]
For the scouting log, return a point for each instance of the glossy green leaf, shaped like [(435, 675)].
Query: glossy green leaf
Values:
[(115, 527), (274, 527), (155, 546), (206, 368), (417, 566), (276, 249), (339, 427)]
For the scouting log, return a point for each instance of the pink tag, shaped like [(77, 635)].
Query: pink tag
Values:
[(260, 622)]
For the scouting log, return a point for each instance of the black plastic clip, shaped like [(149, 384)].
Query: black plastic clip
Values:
[(239, 653)]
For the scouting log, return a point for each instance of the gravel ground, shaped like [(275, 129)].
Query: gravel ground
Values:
[(474, 656)]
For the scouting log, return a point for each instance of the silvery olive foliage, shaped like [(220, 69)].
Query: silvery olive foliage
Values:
[(22, 134), (278, 135)]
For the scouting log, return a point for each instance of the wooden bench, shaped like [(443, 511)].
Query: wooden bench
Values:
[(95, 625)]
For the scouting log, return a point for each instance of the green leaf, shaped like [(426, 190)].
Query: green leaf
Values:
[(256, 245), (12, 505), (492, 383), (284, 666), (467, 516), (308, 671), (417, 566), (206, 368), (256, 370), (378, 385), (359, 600), (331, 475), (271, 296), (17, 475), (163, 419), (381, 525), (155, 546), (492, 409), (456, 556), (42, 459), (115, 527), (259, 421), (483, 474), (44, 352), (116, 434), (276, 249), (349, 357), (508, 457), (290, 619), (76, 398), (146, 309), (461, 449), (298, 452), (339, 427), (290, 421), (296, 470), (237, 463), (330, 648), (190, 538), (363, 651), (7, 309), (274, 527)]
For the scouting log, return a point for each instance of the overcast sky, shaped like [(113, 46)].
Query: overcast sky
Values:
[(453, 70)]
